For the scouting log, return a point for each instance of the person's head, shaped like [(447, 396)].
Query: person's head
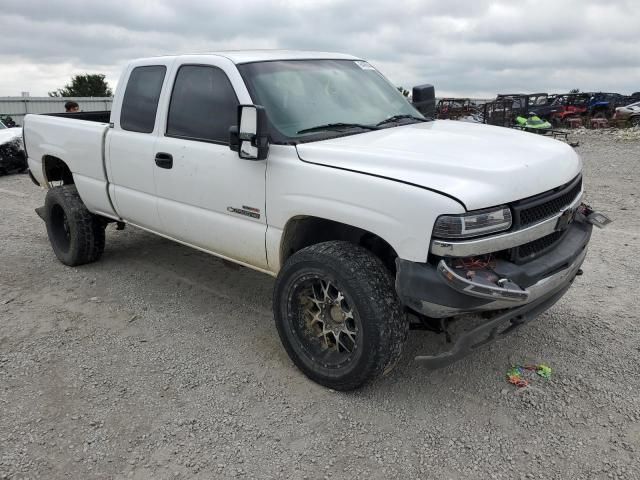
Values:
[(71, 107)]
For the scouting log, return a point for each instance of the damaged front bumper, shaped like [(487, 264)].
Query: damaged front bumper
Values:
[(505, 291), (494, 328), (445, 291), (509, 294)]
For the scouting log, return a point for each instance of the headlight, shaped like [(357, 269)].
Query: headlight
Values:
[(473, 224)]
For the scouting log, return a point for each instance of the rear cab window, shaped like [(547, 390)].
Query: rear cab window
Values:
[(203, 105), (140, 102)]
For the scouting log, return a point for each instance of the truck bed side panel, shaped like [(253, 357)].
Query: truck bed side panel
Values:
[(78, 143)]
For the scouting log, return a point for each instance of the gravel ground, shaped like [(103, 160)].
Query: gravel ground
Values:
[(161, 362)]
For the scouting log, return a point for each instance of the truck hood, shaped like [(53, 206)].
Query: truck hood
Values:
[(479, 165)]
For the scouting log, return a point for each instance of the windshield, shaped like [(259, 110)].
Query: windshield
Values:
[(303, 94)]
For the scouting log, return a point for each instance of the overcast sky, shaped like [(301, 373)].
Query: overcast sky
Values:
[(463, 47)]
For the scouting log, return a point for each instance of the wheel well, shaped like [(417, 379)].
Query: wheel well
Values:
[(55, 170), (302, 232)]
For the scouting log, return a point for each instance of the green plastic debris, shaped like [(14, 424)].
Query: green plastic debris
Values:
[(543, 371)]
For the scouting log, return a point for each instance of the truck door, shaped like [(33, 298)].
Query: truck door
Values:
[(131, 142), (208, 196)]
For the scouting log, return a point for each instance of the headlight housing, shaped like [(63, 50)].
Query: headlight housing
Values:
[(473, 224)]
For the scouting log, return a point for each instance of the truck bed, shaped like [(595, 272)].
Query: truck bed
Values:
[(80, 143), (100, 116)]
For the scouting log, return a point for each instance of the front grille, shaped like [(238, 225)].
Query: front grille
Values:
[(541, 207), (532, 249), (536, 209)]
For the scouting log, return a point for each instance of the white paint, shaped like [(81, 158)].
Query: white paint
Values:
[(387, 182), (481, 165), (80, 144)]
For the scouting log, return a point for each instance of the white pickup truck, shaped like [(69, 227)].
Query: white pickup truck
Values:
[(313, 168)]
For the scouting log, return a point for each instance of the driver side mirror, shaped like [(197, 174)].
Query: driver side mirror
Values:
[(249, 138), (424, 99)]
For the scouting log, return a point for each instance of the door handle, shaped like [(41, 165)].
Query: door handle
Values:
[(164, 160)]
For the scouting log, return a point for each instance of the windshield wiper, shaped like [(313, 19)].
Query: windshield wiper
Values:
[(333, 126), (395, 118)]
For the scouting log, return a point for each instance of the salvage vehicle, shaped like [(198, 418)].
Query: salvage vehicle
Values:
[(603, 105), (628, 99), (506, 108), (454, 108), (532, 123), (543, 105), (12, 157), (570, 105), (629, 114), (530, 113), (313, 168)]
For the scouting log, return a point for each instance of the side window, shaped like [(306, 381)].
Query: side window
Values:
[(140, 102), (203, 104)]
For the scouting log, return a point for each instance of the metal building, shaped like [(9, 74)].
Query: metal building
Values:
[(17, 107)]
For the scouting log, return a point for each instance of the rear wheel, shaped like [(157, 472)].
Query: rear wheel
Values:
[(338, 315), (76, 235)]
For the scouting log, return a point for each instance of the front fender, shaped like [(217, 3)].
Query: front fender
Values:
[(403, 215)]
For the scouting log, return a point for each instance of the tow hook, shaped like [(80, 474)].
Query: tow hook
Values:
[(597, 219)]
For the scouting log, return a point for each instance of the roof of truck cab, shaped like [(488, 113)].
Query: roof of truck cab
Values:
[(248, 56)]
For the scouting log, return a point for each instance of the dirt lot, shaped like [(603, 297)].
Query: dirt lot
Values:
[(161, 362)]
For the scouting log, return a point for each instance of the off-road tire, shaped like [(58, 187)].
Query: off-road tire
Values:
[(635, 121), (76, 235), (370, 287)]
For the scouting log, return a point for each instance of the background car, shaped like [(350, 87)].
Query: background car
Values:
[(629, 114), (12, 157)]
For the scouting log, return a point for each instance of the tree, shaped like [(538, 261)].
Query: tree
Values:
[(403, 91), (87, 85), (574, 90)]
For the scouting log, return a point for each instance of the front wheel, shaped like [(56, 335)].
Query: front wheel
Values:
[(338, 315), (635, 121)]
